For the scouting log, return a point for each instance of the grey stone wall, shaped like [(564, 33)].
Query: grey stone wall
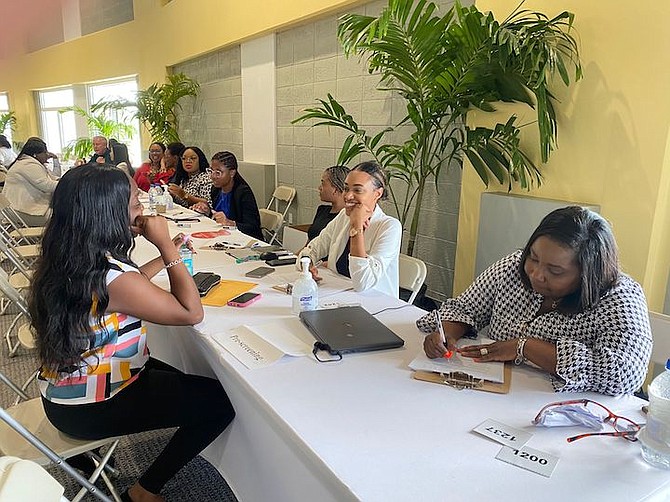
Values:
[(310, 64), (213, 120), (97, 15)]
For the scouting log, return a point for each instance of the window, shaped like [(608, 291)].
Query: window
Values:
[(122, 89), (4, 108), (58, 129)]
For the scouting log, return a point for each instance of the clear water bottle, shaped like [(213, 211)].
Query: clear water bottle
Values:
[(655, 436), (305, 293), (187, 257), (153, 196), (169, 201)]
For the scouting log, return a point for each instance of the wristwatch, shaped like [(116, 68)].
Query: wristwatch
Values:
[(353, 232)]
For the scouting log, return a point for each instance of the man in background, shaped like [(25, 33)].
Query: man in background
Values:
[(101, 152)]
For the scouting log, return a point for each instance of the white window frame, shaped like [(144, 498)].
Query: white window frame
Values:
[(62, 117), (4, 109), (83, 97)]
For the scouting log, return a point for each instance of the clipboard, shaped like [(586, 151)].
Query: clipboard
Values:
[(459, 380)]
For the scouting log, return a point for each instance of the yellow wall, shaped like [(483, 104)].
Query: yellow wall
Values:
[(159, 36), (613, 125), (613, 135)]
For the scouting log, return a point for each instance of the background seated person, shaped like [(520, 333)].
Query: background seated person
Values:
[(120, 157), (561, 303), (153, 170), (89, 304), (361, 242), (7, 154), (29, 184), (191, 182), (232, 202), (172, 156), (331, 189)]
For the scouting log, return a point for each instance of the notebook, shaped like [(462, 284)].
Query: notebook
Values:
[(349, 329)]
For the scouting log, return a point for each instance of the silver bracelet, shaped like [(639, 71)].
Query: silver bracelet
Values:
[(520, 344), (173, 263)]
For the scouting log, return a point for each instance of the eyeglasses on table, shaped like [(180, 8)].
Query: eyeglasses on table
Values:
[(623, 427)]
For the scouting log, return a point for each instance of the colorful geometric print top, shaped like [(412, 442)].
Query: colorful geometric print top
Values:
[(118, 355)]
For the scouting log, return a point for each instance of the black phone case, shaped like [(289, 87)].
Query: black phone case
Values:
[(281, 261), (205, 281)]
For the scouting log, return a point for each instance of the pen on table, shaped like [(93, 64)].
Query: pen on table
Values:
[(440, 329)]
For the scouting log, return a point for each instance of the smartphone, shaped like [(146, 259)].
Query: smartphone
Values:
[(244, 299), (259, 272)]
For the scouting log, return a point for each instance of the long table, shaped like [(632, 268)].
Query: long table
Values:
[(363, 429)]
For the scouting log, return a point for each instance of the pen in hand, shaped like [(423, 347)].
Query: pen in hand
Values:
[(440, 329)]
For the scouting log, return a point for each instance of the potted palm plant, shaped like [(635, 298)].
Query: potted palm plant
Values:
[(444, 67), (7, 119), (158, 106), (98, 121)]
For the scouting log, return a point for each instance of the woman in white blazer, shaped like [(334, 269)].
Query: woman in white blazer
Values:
[(361, 242), (29, 184)]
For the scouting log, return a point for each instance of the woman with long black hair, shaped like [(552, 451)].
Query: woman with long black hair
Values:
[(89, 303)]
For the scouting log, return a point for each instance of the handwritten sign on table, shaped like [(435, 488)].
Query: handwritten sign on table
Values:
[(263, 345)]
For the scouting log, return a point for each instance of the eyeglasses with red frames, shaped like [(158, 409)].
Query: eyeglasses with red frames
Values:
[(623, 427)]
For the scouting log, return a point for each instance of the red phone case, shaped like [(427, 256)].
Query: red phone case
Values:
[(233, 303)]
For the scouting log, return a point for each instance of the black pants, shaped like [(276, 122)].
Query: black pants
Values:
[(161, 397)]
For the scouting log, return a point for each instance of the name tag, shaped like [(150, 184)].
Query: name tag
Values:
[(530, 459), (503, 434)]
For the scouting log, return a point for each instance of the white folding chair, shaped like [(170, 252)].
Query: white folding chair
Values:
[(15, 225), (412, 274), (25, 432), (271, 222), (28, 434), (25, 481), (27, 254), (12, 296), (282, 195)]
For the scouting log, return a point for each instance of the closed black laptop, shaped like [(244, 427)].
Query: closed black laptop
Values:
[(349, 329)]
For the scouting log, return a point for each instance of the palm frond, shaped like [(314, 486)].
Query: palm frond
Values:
[(444, 66)]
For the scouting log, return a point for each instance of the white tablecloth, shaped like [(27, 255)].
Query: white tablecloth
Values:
[(363, 429)]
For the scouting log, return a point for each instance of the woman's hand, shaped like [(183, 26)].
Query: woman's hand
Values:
[(176, 191), (221, 218), (152, 228), (360, 216), (180, 239), (496, 351), (201, 207), (434, 348), (315, 273)]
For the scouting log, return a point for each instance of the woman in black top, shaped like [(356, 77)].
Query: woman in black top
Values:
[(331, 190), (231, 202)]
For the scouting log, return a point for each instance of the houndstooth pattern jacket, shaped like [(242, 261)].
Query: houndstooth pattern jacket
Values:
[(605, 349)]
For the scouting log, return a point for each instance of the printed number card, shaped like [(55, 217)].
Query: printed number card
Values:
[(530, 459), (503, 434)]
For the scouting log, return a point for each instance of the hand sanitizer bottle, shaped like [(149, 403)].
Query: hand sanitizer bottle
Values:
[(305, 291)]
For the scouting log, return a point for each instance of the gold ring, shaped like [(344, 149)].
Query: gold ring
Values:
[(483, 351)]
